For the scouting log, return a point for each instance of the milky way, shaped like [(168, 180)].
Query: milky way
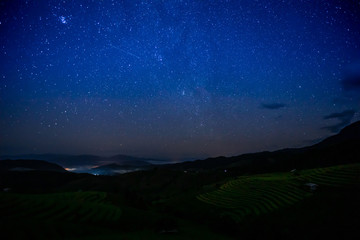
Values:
[(176, 79)]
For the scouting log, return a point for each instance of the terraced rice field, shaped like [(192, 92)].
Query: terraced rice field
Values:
[(261, 194), (344, 175), (72, 207)]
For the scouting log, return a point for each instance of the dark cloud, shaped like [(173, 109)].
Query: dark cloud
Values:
[(312, 141), (342, 115), (351, 83), (344, 118), (334, 128), (272, 106), (351, 80), (342, 100)]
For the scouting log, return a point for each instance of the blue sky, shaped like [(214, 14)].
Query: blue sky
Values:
[(176, 79)]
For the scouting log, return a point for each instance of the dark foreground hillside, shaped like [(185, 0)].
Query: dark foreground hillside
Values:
[(164, 204)]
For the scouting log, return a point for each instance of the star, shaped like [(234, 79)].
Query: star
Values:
[(63, 19)]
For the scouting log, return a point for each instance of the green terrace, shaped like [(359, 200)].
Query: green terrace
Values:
[(261, 194)]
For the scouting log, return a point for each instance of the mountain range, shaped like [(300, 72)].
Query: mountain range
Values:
[(75, 161), (29, 165), (341, 148)]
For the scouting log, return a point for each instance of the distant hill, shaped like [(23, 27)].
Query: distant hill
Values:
[(73, 161), (349, 134), (125, 160), (64, 160), (341, 148), (114, 168), (29, 165)]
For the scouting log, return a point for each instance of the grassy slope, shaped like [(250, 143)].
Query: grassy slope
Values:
[(278, 205), (261, 194)]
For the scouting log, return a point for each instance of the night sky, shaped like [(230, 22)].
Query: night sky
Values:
[(176, 79)]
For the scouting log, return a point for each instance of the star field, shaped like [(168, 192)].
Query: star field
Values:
[(176, 79)]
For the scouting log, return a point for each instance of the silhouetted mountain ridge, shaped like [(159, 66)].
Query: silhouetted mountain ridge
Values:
[(29, 165), (341, 148), (113, 166), (70, 161), (349, 133)]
